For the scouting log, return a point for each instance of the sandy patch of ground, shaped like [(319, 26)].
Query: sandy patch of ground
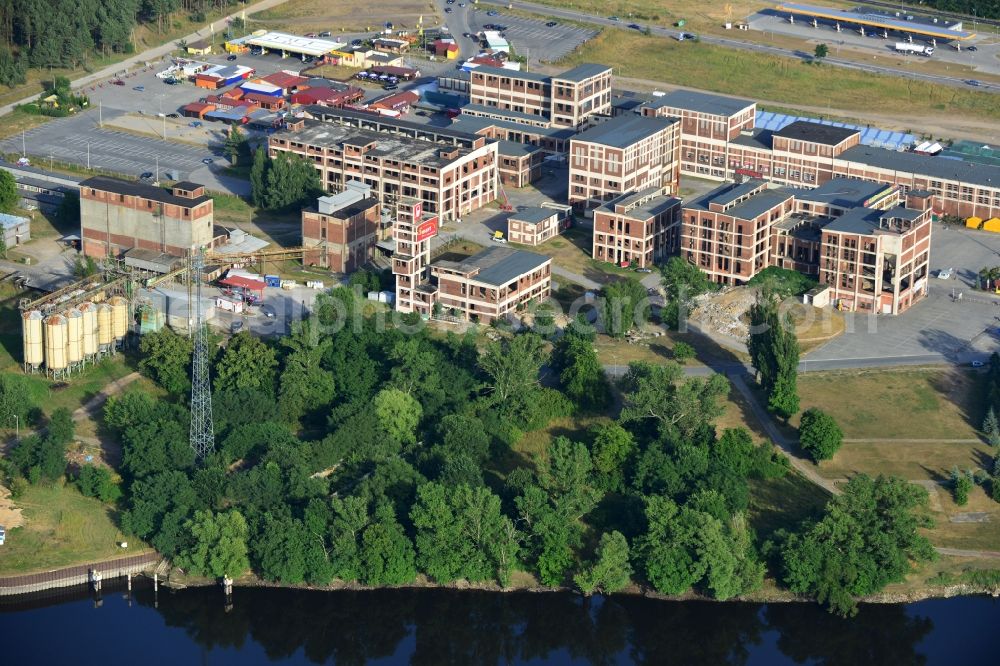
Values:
[(10, 515)]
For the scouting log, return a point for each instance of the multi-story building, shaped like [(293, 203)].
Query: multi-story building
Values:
[(707, 123), (719, 141), (622, 155), (853, 235), (491, 284), (638, 229), (118, 215), (566, 100), (534, 225), (452, 173), (343, 228), (412, 232)]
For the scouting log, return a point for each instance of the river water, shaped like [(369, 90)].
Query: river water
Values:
[(434, 627)]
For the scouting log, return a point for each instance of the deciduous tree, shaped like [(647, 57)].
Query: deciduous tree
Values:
[(610, 571), (219, 544), (819, 434)]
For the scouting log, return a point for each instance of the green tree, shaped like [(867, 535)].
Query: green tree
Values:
[(819, 434), (683, 352), (961, 485), (683, 410), (610, 571), (246, 364), (166, 359), (289, 180), (991, 427), (612, 446), (258, 177), (623, 305), (398, 415), (867, 538), (94, 481), (682, 282), (512, 366), (159, 505), (218, 544), (349, 520), (16, 400), (279, 549), (236, 147), (462, 533), (8, 192), (582, 377), (821, 51), (774, 353), (386, 555), (304, 385)]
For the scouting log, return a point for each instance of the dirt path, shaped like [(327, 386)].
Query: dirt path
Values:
[(10, 515), (90, 408), (945, 124)]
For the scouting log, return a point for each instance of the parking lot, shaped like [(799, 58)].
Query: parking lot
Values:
[(532, 38), (942, 324)]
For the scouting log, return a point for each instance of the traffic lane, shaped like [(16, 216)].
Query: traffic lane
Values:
[(457, 22), (556, 12)]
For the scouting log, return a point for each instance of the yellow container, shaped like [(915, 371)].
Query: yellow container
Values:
[(74, 336), (55, 342), (89, 312), (33, 338)]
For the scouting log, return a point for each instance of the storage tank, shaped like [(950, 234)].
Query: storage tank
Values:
[(34, 342), (89, 312), (55, 343), (119, 317), (74, 336), (105, 334)]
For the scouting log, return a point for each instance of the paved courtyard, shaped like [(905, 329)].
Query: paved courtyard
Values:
[(942, 325)]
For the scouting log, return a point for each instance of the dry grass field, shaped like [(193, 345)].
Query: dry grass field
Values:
[(299, 16)]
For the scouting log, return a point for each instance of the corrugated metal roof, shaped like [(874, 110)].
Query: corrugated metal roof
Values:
[(870, 136)]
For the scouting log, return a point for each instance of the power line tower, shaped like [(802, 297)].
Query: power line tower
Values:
[(202, 430)]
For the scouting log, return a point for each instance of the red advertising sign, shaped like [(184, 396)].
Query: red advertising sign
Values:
[(749, 172), (418, 210), (427, 229)]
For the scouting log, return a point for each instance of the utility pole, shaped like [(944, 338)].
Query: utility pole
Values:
[(88, 155), (100, 113), (202, 433)]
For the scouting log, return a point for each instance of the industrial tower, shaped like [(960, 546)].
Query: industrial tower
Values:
[(202, 429)]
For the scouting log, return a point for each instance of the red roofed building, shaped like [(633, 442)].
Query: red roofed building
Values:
[(289, 83), (400, 102), (487, 60), (265, 101), (197, 109), (328, 96), (446, 47)]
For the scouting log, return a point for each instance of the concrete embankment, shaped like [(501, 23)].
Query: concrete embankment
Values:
[(77, 575)]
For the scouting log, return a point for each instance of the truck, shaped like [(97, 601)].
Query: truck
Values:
[(907, 47)]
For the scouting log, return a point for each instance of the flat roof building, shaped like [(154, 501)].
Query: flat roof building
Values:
[(452, 177), (637, 229), (118, 215), (622, 155), (343, 228)]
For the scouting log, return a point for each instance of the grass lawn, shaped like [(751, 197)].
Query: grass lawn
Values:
[(534, 445), (300, 16), (571, 250), (784, 502), (778, 79), (910, 460), (920, 403), (18, 121), (972, 535), (62, 528)]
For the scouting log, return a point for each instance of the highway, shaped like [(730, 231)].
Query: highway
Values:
[(572, 15)]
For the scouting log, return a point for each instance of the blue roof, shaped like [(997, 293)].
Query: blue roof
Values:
[(870, 136), (9, 221)]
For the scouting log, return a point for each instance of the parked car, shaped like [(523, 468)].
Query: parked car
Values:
[(357, 42), (973, 82), (971, 48), (461, 4), (325, 33), (311, 35), (172, 115), (267, 311), (146, 175), (448, 10), (118, 82), (977, 364), (236, 326), (450, 2), (195, 123), (139, 88), (614, 18), (551, 24), (171, 81), (207, 160), (635, 26), (3, 535), (945, 273), (390, 86), (231, 58), (492, 12)]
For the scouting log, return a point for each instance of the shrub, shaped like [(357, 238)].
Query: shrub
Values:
[(819, 434)]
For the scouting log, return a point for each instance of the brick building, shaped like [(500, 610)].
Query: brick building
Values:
[(452, 173), (719, 141), (491, 284), (565, 100), (534, 225), (639, 229), (344, 229), (412, 232), (622, 155), (118, 215), (853, 235)]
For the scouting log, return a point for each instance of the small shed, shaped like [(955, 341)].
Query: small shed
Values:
[(200, 48), (16, 230)]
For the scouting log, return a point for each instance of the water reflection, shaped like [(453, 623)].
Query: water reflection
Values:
[(434, 627)]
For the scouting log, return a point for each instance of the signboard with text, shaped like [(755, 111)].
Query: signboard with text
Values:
[(427, 228), (417, 210)]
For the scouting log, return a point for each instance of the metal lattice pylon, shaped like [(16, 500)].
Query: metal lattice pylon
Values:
[(202, 430)]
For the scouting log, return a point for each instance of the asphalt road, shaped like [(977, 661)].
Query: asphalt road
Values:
[(740, 45)]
